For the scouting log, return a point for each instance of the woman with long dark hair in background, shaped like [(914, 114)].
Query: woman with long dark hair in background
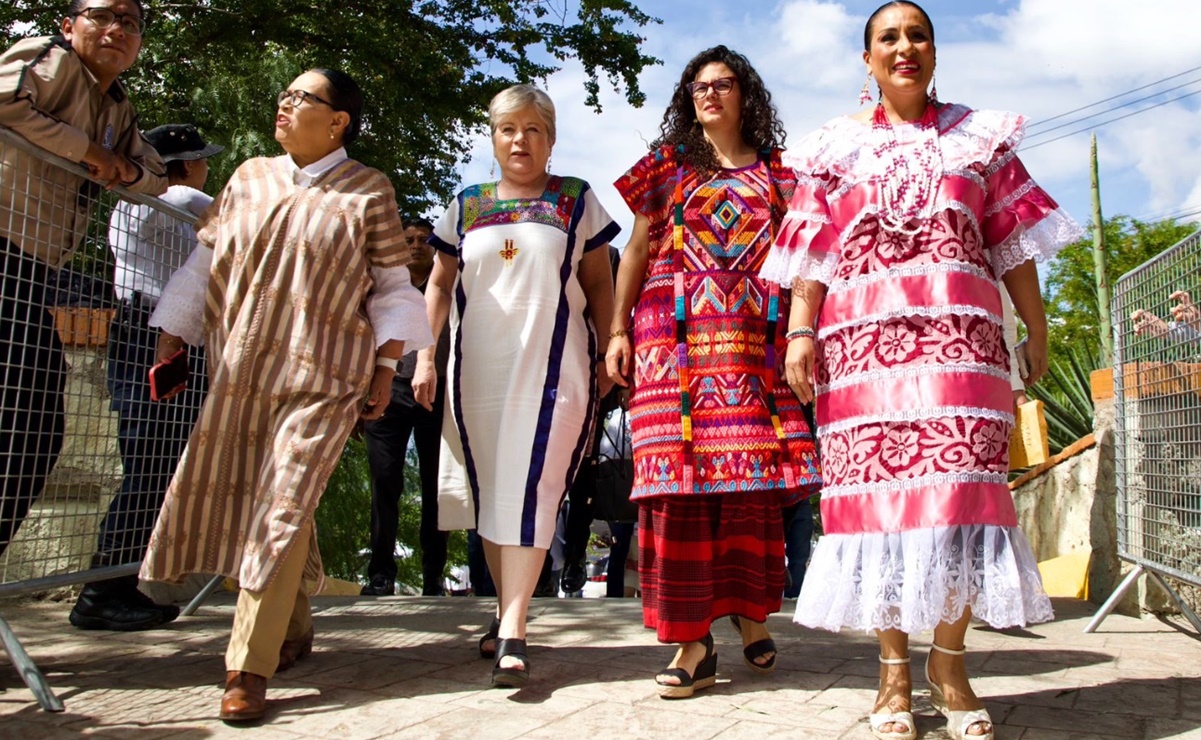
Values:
[(719, 440)]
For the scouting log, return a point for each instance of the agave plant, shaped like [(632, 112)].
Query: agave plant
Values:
[(1067, 396)]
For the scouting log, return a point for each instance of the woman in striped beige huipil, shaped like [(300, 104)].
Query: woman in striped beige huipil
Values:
[(307, 307)]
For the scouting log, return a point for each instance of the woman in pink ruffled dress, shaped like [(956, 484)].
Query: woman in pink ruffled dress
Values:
[(903, 219)]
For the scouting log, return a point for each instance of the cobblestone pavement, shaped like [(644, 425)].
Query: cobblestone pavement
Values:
[(408, 667)]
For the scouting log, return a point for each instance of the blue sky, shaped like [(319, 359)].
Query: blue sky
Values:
[(1041, 58)]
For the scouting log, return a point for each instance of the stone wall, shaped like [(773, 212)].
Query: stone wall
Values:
[(59, 535)]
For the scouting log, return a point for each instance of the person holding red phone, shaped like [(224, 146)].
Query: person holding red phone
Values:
[(300, 293), (147, 245)]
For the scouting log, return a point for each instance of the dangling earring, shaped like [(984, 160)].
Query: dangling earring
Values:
[(548, 165), (933, 90), (865, 95), (492, 171)]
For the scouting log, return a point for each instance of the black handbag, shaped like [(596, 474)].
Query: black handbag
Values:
[(613, 479)]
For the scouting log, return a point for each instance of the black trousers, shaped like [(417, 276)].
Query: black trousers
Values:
[(387, 448), (798, 540), (33, 376), (579, 496), (151, 434), (579, 514)]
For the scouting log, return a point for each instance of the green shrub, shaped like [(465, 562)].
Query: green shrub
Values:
[(1067, 397)]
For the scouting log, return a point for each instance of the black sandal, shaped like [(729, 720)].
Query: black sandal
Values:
[(510, 677), (757, 650), (703, 677), (491, 634)]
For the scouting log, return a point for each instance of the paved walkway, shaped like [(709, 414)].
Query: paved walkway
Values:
[(407, 667)]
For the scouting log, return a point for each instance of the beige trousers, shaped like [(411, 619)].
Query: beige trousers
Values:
[(264, 619)]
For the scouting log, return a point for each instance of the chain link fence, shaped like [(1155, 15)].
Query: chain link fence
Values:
[(85, 454), (1157, 379)]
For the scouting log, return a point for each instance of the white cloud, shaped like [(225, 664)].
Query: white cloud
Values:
[(811, 35), (1039, 57), (1101, 43)]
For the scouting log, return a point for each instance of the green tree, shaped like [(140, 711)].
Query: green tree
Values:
[(344, 522), (427, 67), (1072, 290)]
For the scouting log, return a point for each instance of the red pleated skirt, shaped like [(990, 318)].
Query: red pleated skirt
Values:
[(704, 557)]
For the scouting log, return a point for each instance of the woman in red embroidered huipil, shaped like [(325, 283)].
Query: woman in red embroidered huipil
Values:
[(719, 439), (903, 219)]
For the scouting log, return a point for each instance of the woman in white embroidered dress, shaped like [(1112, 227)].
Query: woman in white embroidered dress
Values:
[(903, 219), (523, 277)]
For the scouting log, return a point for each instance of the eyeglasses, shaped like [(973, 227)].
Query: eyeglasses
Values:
[(721, 86), (293, 98), (133, 25)]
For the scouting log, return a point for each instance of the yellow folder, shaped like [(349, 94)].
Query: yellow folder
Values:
[(1028, 444)]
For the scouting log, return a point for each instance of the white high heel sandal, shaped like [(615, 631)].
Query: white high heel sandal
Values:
[(877, 720), (958, 721)]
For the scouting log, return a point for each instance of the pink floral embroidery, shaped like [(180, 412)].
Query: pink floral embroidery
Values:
[(892, 246), (985, 336), (835, 455), (988, 441), (896, 343), (882, 452), (948, 236), (900, 447), (910, 341), (960, 448)]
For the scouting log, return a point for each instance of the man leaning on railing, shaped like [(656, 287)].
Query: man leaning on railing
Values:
[(151, 434), (62, 94)]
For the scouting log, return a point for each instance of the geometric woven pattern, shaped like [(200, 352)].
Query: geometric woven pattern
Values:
[(718, 433), (724, 218)]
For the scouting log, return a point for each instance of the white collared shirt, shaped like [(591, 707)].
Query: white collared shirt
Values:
[(148, 245), (304, 176)]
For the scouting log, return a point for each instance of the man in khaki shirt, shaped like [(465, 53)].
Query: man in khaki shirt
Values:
[(60, 93)]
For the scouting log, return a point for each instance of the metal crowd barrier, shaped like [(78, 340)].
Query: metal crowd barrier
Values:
[(54, 543), (1157, 379)]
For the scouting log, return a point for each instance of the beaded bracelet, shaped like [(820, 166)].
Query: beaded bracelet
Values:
[(800, 331), (618, 333)]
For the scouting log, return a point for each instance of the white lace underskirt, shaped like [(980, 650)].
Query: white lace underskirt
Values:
[(916, 579)]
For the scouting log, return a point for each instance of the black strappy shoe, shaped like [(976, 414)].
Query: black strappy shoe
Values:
[(703, 677), (757, 649), (493, 631), (510, 677)]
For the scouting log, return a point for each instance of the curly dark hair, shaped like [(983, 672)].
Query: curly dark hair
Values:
[(761, 126)]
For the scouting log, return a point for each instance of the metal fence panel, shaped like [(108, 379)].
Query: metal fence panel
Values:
[(1157, 378), (81, 443)]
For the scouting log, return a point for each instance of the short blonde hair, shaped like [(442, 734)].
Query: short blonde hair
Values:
[(512, 99)]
